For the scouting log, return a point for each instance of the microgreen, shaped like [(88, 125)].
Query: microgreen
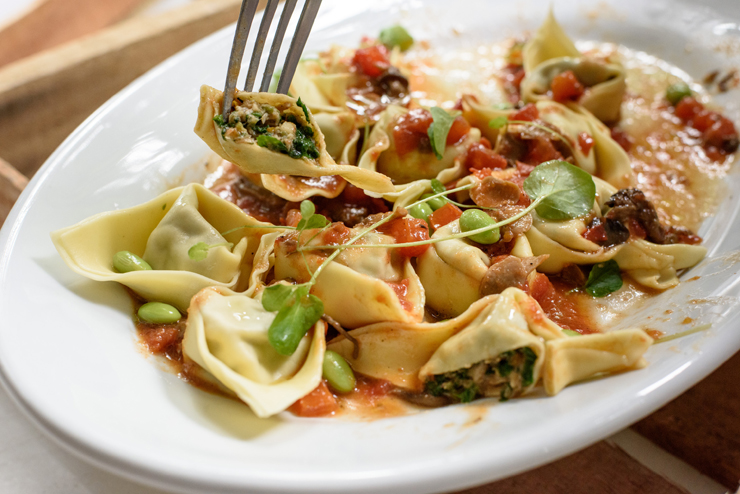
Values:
[(563, 191), (309, 218), (439, 188), (440, 127), (688, 332), (199, 251), (570, 332), (498, 122), (297, 311), (603, 279)]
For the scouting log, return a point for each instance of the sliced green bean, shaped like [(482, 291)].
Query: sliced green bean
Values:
[(338, 373), (125, 262), (158, 313), (473, 219), (421, 211), (396, 36), (676, 92), (435, 203)]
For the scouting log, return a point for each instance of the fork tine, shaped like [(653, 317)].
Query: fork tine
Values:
[(310, 9), (246, 14), (259, 44), (288, 9)]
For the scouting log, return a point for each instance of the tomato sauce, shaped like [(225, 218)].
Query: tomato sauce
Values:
[(560, 305)]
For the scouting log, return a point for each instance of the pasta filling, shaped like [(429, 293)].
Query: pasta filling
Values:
[(504, 377), (269, 127)]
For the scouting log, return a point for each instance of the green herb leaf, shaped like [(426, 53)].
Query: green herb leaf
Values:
[(199, 251), (316, 221), (299, 312), (603, 279), (307, 209), (272, 143), (567, 191), (396, 36), (219, 119), (498, 122), (275, 296), (305, 109), (441, 125)]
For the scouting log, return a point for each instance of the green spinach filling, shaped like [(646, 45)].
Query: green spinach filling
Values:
[(504, 376), (269, 127)]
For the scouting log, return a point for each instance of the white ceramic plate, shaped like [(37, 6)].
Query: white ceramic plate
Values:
[(67, 348)]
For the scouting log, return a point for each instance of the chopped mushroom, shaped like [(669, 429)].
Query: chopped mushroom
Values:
[(508, 271)]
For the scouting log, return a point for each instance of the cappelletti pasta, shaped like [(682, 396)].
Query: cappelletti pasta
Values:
[(367, 238)]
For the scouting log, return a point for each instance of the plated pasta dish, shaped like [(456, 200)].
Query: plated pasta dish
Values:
[(393, 235)]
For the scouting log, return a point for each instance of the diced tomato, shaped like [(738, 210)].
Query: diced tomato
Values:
[(459, 129), (687, 108), (444, 215), (480, 173), (703, 120), (410, 130), (479, 157), (317, 403), (541, 150), (722, 135), (408, 230), (372, 61), (719, 133), (596, 234), (566, 87), (485, 143), (336, 234), (524, 169), (560, 307), (622, 138), (293, 217), (585, 142), (528, 114)]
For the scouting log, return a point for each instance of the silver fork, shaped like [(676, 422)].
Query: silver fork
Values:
[(246, 17)]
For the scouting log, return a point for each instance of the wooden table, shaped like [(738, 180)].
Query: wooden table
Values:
[(700, 428)]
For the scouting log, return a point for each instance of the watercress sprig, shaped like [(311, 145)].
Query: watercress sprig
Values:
[(557, 188)]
